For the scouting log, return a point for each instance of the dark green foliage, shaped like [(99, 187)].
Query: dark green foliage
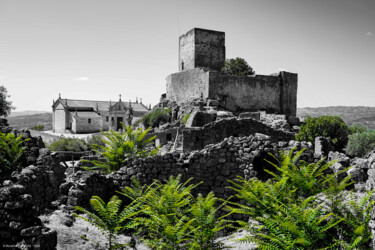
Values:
[(5, 105), (332, 127), (302, 207), (11, 151), (173, 218), (361, 142), (121, 148), (68, 144), (237, 66), (110, 219), (39, 127), (155, 117)]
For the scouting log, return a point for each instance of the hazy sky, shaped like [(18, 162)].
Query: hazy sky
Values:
[(98, 49)]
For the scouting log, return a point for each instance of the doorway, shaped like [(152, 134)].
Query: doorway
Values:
[(119, 120)]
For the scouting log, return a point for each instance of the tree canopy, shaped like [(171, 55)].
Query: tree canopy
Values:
[(5, 104), (237, 66)]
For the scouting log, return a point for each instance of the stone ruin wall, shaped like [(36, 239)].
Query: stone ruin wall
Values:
[(28, 193), (214, 165), (198, 138)]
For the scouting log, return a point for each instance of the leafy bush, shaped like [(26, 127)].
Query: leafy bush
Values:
[(361, 143), (110, 219), (121, 148), (95, 139), (156, 116), (39, 127), (11, 151), (332, 127), (237, 66), (302, 207), (68, 144), (186, 118), (357, 128)]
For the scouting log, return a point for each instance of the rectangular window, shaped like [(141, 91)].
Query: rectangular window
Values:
[(106, 118), (112, 118), (89, 120)]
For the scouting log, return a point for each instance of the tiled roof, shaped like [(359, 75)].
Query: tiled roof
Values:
[(86, 114), (101, 105)]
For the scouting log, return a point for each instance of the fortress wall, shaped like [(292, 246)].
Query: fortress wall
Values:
[(288, 98), (246, 93), (187, 85), (198, 138)]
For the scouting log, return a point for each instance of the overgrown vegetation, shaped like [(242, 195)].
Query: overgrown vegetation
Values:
[(303, 207), (332, 127), (39, 127), (155, 117), (361, 141), (121, 148), (68, 144), (11, 151), (237, 66), (75, 144), (173, 218)]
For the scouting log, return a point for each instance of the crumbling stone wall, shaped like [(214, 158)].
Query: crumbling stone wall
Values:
[(198, 138), (23, 197), (214, 165)]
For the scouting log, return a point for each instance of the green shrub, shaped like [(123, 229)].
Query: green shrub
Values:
[(357, 128), (186, 118), (121, 148), (68, 144), (39, 127), (237, 66), (332, 127), (95, 139), (11, 152), (156, 116), (361, 143), (303, 207)]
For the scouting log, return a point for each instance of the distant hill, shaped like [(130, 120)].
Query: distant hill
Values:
[(350, 114), (29, 121), (26, 112)]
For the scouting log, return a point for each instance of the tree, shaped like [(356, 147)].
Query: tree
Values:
[(332, 127), (5, 104), (237, 66)]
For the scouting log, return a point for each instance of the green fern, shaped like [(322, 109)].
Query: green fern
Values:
[(206, 224), (121, 148), (11, 152), (109, 218)]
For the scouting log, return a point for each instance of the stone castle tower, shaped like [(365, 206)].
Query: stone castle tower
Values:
[(201, 57), (200, 48)]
